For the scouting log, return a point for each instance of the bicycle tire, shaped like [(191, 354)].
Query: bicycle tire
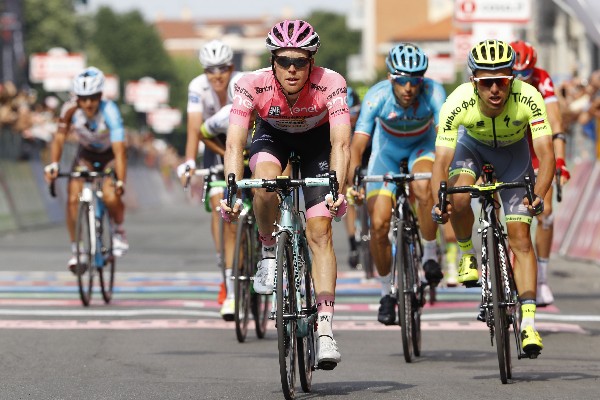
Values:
[(364, 252), (242, 260), (498, 310), (306, 345), (286, 307), (259, 303), (106, 273), (510, 294), (85, 268), (415, 252), (404, 293)]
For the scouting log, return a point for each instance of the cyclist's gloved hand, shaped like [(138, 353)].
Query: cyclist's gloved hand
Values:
[(181, 168), (438, 218), (564, 172), (337, 209), (539, 207), (230, 214), (51, 171)]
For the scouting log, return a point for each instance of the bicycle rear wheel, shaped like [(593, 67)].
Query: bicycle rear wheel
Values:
[(242, 261), (498, 306), (285, 315), (85, 262), (106, 273), (403, 268), (306, 344)]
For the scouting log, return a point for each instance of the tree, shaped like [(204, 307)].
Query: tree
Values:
[(51, 23), (337, 42)]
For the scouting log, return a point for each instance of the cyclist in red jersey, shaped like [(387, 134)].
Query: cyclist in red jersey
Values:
[(301, 108), (525, 70)]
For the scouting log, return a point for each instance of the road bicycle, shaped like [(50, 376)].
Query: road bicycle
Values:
[(408, 283), (499, 296), (362, 233), (293, 299), (93, 235), (245, 260)]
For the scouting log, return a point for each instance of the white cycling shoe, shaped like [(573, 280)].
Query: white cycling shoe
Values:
[(544, 295), (328, 354), (265, 276), (120, 244)]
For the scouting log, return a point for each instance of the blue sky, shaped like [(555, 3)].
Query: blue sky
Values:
[(201, 9)]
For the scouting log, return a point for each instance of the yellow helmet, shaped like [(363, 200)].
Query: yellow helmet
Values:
[(491, 55)]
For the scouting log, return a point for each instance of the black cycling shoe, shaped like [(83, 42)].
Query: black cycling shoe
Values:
[(353, 259), (387, 310), (433, 272), (481, 313)]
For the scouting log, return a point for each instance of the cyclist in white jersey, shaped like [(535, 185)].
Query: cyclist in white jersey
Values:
[(99, 129), (207, 94)]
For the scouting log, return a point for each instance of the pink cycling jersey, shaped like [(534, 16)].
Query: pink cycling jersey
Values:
[(323, 99)]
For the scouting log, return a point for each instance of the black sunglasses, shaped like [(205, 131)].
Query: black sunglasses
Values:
[(286, 62), (96, 96), (489, 81)]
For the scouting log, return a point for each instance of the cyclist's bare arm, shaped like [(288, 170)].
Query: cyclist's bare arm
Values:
[(359, 144), (443, 159), (545, 153), (213, 146), (194, 123), (120, 151), (555, 118), (340, 154)]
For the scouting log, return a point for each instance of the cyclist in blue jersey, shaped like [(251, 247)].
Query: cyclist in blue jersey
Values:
[(354, 106), (98, 126), (399, 115)]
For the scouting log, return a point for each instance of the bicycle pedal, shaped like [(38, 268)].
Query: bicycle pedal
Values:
[(327, 365), (472, 284)]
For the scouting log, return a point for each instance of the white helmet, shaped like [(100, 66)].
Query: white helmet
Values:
[(215, 53), (88, 82)]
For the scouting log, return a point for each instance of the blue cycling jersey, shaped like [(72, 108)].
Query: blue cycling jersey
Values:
[(96, 134), (397, 132)]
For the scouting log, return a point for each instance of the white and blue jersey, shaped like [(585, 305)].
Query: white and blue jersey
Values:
[(397, 133), (98, 133)]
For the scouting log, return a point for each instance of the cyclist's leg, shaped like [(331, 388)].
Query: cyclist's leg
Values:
[(543, 245), (464, 170), (421, 160), (451, 253)]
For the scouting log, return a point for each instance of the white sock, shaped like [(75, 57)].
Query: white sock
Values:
[(386, 284), (542, 272), (429, 250), (229, 283), (268, 251), (325, 319), (73, 247)]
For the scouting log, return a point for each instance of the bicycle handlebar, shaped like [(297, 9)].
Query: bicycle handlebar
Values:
[(85, 174), (397, 178), (483, 190), (201, 172)]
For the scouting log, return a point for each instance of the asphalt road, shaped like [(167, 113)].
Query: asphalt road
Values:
[(162, 337)]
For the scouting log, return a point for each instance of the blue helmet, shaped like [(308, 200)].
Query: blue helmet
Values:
[(406, 58)]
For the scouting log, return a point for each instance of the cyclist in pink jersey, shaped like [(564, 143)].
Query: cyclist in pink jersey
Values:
[(525, 70), (301, 108)]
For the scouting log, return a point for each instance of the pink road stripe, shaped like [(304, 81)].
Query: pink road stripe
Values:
[(138, 324), (118, 303)]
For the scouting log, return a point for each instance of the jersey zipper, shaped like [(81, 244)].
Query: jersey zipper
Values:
[(494, 131)]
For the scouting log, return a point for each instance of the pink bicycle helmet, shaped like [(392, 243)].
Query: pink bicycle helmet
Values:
[(295, 34)]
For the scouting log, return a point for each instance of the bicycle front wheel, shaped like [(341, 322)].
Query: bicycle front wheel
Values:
[(306, 344), (498, 306), (286, 315), (106, 272), (85, 263), (404, 272), (242, 261)]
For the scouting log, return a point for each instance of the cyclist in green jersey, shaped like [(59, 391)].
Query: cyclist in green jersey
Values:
[(495, 111)]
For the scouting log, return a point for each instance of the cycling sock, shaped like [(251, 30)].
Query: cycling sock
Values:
[(451, 254), (325, 305), (219, 260), (528, 313), (386, 284), (229, 283), (268, 251), (429, 250), (542, 270), (74, 247), (266, 240), (466, 246), (352, 241)]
